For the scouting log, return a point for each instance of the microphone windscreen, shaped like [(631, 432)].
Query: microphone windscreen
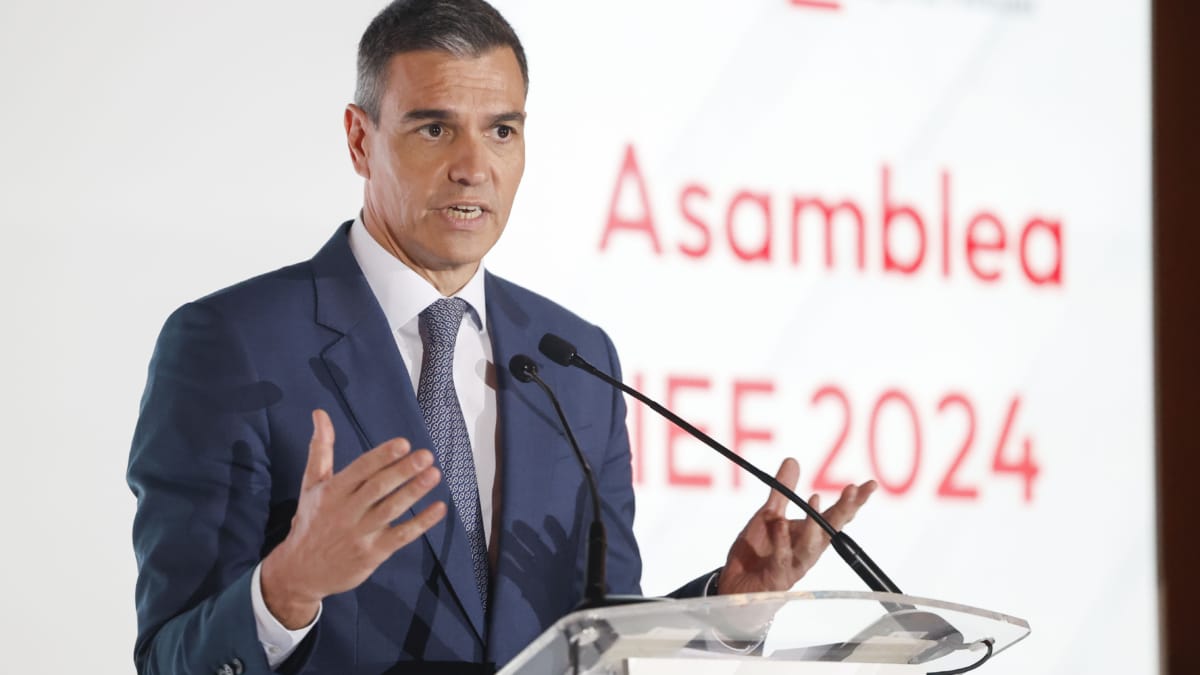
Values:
[(522, 367), (557, 349)]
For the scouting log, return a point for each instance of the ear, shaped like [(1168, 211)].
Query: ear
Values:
[(358, 128)]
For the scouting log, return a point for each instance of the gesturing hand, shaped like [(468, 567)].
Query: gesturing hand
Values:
[(342, 529), (772, 553)]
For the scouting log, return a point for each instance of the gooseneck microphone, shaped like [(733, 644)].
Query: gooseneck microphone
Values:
[(595, 586), (562, 352)]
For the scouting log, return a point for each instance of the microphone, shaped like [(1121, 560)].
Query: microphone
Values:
[(902, 620), (595, 586), (564, 353)]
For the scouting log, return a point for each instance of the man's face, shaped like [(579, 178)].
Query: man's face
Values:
[(443, 164)]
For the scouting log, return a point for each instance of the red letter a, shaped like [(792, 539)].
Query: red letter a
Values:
[(645, 223), (1053, 228)]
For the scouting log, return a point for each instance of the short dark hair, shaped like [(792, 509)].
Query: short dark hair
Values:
[(465, 28)]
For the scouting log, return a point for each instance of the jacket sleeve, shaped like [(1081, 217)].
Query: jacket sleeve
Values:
[(199, 469)]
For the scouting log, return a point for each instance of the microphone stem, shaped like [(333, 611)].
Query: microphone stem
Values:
[(855, 557), (709, 441), (597, 554)]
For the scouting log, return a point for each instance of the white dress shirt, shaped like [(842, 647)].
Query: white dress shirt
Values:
[(403, 295)]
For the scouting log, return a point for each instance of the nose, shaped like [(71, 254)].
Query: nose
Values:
[(469, 165)]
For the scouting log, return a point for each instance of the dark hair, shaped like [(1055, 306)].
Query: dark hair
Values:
[(465, 28)]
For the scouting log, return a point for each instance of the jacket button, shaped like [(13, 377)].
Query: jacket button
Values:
[(238, 668), (225, 669)]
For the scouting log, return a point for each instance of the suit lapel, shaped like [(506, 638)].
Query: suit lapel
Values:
[(366, 367), (529, 433)]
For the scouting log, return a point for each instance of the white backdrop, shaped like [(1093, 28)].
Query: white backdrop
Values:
[(153, 152)]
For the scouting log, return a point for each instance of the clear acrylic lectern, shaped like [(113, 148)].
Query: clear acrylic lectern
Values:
[(824, 632)]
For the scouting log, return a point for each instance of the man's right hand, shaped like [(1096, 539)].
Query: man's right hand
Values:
[(343, 527)]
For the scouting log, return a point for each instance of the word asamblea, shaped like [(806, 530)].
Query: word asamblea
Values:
[(759, 227)]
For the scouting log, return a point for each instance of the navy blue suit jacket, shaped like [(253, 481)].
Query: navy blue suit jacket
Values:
[(221, 444)]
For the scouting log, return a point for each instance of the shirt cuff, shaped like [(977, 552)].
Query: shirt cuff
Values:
[(278, 642), (711, 588)]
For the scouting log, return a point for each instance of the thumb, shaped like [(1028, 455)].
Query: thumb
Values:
[(320, 451)]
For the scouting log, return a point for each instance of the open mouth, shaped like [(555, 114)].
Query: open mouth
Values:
[(464, 212)]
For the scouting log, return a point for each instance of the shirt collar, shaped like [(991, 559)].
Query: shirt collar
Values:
[(402, 293)]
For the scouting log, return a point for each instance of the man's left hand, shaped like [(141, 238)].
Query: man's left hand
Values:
[(772, 553)]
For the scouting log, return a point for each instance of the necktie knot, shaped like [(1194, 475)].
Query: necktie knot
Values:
[(439, 323)]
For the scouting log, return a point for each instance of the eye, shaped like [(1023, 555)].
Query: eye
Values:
[(432, 130), (503, 131)]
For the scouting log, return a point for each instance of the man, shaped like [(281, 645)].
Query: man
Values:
[(333, 473)]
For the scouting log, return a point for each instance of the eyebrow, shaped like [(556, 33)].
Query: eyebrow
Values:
[(439, 115), (513, 116), (427, 114)]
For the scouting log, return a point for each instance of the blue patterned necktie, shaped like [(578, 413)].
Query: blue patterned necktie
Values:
[(439, 324)]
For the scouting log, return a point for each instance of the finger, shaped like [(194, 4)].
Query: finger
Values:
[(320, 451), (811, 534), (789, 475), (781, 543), (399, 501), (370, 463), (848, 504), (843, 509), (402, 534), (398, 477), (865, 491)]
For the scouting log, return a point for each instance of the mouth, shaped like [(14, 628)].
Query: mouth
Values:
[(464, 211)]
